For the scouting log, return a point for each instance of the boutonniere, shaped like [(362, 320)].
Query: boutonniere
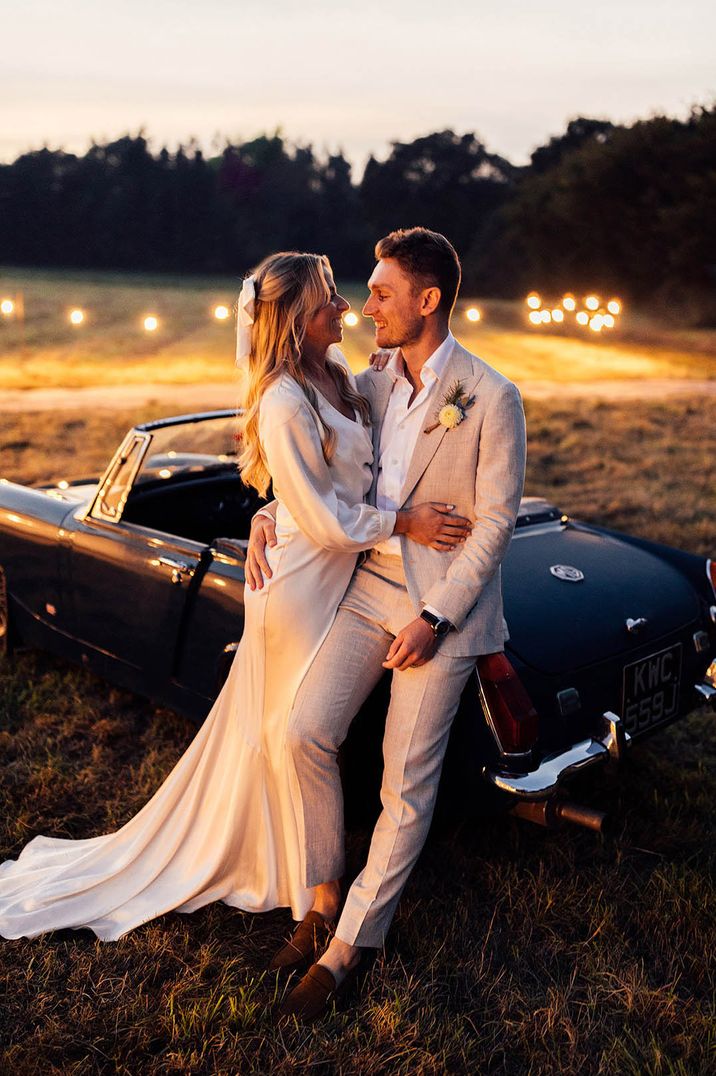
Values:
[(453, 409)]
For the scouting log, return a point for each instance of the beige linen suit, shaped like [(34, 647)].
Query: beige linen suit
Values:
[(479, 467)]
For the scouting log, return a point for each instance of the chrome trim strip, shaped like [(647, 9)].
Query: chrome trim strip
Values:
[(561, 765), (706, 694), (528, 529)]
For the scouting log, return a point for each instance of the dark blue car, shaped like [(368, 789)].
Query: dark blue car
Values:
[(140, 575)]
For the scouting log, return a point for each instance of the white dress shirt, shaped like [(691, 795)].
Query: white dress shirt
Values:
[(402, 425)]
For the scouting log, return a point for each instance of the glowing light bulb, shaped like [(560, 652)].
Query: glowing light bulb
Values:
[(569, 302), (557, 315), (151, 323), (591, 302), (582, 318), (7, 306), (350, 319), (221, 312), (614, 306), (608, 320), (533, 301), (596, 323), (545, 316), (535, 317), (473, 314), (77, 316)]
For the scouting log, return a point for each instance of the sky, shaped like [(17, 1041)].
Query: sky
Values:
[(343, 76)]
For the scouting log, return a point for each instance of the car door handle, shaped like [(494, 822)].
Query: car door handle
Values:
[(178, 567)]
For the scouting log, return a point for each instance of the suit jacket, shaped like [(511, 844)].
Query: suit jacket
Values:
[(478, 466)]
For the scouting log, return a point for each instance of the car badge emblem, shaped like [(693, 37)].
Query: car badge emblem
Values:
[(567, 572)]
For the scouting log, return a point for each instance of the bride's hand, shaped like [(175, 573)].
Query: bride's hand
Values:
[(263, 533), (379, 359), (433, 523)]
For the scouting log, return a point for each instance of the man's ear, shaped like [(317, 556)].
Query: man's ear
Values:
[(430, 301)]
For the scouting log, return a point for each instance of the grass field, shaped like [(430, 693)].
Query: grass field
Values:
[(190, 346), (514, 950)]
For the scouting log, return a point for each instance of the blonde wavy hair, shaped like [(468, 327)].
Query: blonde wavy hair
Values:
[(290, 288)]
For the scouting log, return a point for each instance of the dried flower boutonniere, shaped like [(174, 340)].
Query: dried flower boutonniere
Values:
[(453, 409)]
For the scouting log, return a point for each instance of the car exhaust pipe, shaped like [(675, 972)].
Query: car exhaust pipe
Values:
[(552, 812)]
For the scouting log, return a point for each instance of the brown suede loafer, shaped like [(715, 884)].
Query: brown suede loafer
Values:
[(312, 997), (305, 945)]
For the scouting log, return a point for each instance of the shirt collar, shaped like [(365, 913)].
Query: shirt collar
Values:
[(432, 369)]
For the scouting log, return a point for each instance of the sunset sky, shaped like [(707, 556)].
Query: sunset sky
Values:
[(344, 76)]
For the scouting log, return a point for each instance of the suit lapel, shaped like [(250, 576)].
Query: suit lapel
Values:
[(382, 385), (458, 368)]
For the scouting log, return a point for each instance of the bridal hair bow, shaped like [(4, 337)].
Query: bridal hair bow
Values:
[(245, 319)]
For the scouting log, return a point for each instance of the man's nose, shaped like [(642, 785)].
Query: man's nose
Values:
[(367, 309)]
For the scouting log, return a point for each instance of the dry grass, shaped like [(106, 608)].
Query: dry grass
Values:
[(192, 347), (514, 950)]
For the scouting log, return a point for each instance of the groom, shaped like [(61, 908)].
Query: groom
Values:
[(446, 427)]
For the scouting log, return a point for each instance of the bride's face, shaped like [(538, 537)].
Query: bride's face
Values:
[(326, 325)]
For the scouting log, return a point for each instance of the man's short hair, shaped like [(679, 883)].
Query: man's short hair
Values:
[(428, 257)]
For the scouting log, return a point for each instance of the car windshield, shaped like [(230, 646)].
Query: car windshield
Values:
[(190, 448)]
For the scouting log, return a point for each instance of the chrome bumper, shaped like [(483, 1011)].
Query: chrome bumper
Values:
[(560, 766), (554, 769)]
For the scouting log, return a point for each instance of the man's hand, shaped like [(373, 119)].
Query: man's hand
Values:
[(263, 533), (411, 647)]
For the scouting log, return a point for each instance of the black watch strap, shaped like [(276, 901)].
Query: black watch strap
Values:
[(440, 624)]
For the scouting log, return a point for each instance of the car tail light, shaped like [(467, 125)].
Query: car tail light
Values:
[(509, 710), (711, 573)]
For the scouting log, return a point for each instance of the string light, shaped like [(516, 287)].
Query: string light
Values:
[(350, 319), (591, 302), (221, 312), (151, 323), (533, 301), (77, 316), (7, 307), (473, 314)]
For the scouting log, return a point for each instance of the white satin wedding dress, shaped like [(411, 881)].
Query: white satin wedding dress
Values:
[(224, 824)]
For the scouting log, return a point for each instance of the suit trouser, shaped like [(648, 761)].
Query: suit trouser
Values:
[(423, 702)]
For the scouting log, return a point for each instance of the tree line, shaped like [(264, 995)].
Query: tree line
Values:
[(628, 209)]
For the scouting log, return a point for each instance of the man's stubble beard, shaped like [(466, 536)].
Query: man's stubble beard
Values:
[(406, 335)]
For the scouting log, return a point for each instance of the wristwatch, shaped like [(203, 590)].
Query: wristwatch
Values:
[(440, 625)]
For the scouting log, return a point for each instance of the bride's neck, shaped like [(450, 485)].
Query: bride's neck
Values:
[(314, 365)]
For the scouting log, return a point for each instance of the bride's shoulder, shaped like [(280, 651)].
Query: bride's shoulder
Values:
[(336, 355), (282, 400)]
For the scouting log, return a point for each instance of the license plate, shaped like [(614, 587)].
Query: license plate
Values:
[(651, 689)]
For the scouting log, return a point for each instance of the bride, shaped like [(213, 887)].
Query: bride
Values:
[(224, 825)]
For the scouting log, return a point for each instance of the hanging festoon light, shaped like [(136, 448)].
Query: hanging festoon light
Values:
[(582, 318), (569, 302), (533, 301), (221, 312), (591, 302), (76, 316), (350, 319), (558, 315), (473, 314), (151, 323), (7, 308), (614, 307)]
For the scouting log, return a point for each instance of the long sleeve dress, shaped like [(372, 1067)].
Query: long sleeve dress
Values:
[(224, 825)]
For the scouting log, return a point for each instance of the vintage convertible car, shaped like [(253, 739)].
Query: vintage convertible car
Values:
[(140, 577)]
